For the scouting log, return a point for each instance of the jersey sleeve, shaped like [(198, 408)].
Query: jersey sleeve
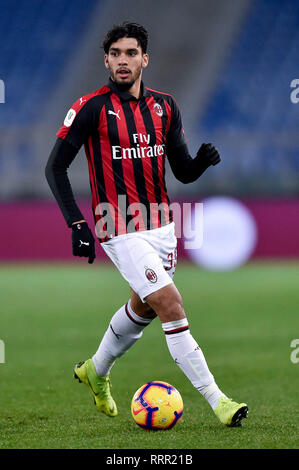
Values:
[(175, 135), (61, 157), (80, 122), (185, 168)]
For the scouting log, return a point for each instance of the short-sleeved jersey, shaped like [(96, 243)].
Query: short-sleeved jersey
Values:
[(125, 142)]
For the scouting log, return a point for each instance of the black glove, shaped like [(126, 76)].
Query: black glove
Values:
[(208, 155), (83, 241)]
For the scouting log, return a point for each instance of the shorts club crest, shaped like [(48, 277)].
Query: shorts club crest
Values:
[(151, 275)]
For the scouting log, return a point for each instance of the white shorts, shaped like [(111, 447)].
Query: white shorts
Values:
[(145, 259)]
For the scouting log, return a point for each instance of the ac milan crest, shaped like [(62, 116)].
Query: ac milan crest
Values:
[(158, 109), (151, 275)]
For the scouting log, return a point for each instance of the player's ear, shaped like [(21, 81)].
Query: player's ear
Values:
[(106, 61), (145, 60)]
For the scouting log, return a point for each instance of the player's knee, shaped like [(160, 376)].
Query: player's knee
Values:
[(167, 303), (171, 309)]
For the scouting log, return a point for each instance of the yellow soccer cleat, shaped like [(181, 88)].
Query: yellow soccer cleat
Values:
[(100, 386), (231, 413)]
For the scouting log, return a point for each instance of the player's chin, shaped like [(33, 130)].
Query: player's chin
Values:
[(120, 80), (125, 83)]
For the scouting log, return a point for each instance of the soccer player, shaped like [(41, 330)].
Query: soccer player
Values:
[(127, 130)]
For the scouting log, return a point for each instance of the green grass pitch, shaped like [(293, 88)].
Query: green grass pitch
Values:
[(53, 316)]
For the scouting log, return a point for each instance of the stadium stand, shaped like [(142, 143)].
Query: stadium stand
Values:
[(232, 85), (250, 110), (36, 38)]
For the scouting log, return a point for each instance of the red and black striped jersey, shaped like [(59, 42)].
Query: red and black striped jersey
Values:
[(125, 141)]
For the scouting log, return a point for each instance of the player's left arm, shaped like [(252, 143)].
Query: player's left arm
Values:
[(185, 168)]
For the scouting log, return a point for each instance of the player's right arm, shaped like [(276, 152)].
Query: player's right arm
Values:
[(61, 157), (77, 126)]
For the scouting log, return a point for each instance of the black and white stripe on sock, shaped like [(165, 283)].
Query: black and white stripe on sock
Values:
[(134, 317), (174, 327)]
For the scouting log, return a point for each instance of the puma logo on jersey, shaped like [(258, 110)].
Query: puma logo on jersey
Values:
[(115, 114), (83, 243), (81, 101)]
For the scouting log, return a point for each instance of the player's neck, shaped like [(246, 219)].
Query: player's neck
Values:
[(135, 89)]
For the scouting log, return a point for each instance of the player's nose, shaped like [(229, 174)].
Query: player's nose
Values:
[(122, 60)]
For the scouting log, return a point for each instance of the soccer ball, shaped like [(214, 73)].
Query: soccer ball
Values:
[(157, 405)]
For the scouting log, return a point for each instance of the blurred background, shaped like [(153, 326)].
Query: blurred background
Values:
[(228, 64)]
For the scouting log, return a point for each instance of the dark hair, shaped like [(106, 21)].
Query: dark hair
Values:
[(126, 30)]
